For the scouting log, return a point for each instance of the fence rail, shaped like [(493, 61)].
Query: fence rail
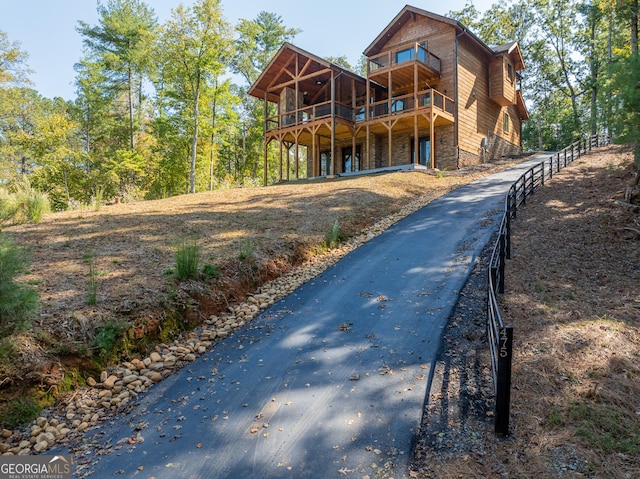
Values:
[(500, 336)]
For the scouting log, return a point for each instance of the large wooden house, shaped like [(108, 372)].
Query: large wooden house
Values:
[(432, 87)]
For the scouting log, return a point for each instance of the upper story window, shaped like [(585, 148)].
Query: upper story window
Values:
[(510, 72), (404, 55), (410, 53)]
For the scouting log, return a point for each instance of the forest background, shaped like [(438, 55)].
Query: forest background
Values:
[(162, 109)]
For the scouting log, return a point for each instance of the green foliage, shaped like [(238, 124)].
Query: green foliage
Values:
[(23, 203), (627, 126), (334, 236), (247, 250), (98, 198), (12, 61), (19, 412), (92, 280), (7, 350), (606, 428), (211, 271), (108, 340), (18, 301), (555, 418), (187, 259)]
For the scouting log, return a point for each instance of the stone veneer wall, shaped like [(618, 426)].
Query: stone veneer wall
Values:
[(499, 147), (446, 153)]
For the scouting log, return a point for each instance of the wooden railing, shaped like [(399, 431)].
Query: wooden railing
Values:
[(500, 336), (392, 106), (406, 53), (399, 104)]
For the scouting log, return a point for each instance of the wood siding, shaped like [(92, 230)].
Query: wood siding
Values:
[(479, 116)]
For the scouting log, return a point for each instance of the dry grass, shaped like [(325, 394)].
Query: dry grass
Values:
[(573, 297)]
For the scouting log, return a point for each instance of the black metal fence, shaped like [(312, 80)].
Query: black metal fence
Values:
[(501, 336)]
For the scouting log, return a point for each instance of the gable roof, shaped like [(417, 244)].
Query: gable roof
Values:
[(512, 49), (409, 12), (273, 74)]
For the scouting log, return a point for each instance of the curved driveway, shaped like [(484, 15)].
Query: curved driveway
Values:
[(330, 381)]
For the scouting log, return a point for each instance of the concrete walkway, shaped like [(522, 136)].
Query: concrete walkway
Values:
[(331, 381)]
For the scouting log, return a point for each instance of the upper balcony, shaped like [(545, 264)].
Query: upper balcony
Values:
[(402, 105), (400, 62)]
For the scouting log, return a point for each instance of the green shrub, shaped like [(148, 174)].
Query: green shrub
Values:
[(333, 236), (7, 206), (108, 340), (211, 271), (19, 411), (31, 204), (18, 301), (23, 204), (247, 250), (92, 281), (187, 259)]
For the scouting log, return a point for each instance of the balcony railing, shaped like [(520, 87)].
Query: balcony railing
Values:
[(400, 104), (392, 106), (404, 54)]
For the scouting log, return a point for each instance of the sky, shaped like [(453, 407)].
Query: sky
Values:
[(46, 29)]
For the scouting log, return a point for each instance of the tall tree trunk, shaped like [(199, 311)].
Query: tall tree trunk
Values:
[(540, 145), (194, 143), (594, 64), (130, 93), (213, 134), (634, 27)]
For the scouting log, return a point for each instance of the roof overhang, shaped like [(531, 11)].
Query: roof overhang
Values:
[(313, 71), (521, 107), (409, 13), (513, 50)]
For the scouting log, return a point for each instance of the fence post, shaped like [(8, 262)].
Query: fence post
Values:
[(503, 247), (508, 231), (532, 184), (551, 168), (503, 387)]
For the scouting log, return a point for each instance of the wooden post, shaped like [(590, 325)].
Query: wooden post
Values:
[(280, 141), (389, 106), (416, 140), (334, 162), (266, 150)]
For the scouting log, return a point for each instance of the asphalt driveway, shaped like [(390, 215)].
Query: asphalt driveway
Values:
[(329, 382)]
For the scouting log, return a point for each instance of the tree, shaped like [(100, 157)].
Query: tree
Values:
[(194, 45), (121, 45), (258, 40), (17, 300), (13, 70), (257, 43)]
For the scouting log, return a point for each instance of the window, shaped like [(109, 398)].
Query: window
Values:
[(404, 55), (506, 123), (510, 72)]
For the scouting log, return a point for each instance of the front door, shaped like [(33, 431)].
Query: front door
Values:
[(424, 146), (325, 163), (351, 162)]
